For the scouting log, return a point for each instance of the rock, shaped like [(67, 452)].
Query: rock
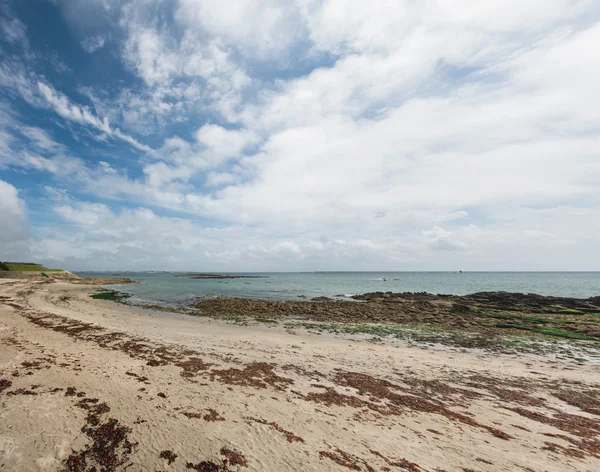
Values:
[(460, 308)]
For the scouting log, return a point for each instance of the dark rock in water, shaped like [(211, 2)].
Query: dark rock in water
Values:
[(220, 276), (517, 301), (321, 299)]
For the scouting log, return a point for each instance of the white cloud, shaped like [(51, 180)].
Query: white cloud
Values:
[(41, 139), (14, 237), (256, 26), (13, 30), (223, 143), (26, 148), (92, 43), (139, 239), (61, 104), (213, 147), (84, 213), (18, 77), (183, 70)]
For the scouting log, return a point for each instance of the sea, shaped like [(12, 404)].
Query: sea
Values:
[(167, 288)]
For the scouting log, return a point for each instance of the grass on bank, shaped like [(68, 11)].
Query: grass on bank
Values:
[(27, 268)]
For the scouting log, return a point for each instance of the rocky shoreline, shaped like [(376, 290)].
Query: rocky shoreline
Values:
[(487, 313)]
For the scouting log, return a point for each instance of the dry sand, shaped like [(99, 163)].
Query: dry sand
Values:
[(90, 383)]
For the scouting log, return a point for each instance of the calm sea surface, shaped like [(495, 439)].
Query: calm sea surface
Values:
[(165, 287)]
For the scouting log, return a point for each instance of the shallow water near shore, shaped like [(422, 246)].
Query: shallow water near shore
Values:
[(165, 287)]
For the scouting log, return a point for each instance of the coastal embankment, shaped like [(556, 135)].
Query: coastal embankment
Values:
[(62, 276), (87, 383)]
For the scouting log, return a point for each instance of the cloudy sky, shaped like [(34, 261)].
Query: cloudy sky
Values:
[(300, 134)]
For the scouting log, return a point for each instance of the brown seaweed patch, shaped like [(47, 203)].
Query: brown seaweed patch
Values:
[(109, 450), (234, 457), (585, 428), (21, 391), (110, 446), (574, 424), (85, 403), (402, 463), (581, 446), (72, 392), (257, 374), (139, 378), (346, 459), (331, 397), (384, 400), (289, 436), (36, 365), (192, 366), (207, 466), (586, 401), (517, 393), (170, 456), (212, 416), (4, 384), (567, 451)]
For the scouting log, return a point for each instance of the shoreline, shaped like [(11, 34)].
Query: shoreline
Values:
[(489, 320), (189, 392)]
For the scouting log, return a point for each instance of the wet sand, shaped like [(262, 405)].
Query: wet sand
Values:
[(91, 383)]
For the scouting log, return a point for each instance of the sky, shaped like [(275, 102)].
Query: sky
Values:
[(300, 135)]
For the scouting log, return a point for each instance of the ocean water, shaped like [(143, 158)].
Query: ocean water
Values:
[(165, 287)]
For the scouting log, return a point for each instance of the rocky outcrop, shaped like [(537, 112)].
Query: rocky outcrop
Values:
[(528, 302), (102, 281), (487, 312)]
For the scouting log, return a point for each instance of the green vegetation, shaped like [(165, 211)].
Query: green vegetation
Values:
[(561, 333), (512, 316), (113, 296), (583, 329), (3, 266), (30, 268), (372, 329), (265, 320), (524, 339)]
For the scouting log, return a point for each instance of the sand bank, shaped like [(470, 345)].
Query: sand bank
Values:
[(89, 383)]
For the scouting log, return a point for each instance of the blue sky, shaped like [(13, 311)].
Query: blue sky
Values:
[(300, 134)]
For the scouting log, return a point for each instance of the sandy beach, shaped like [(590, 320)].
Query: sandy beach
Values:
[(95, 385)]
